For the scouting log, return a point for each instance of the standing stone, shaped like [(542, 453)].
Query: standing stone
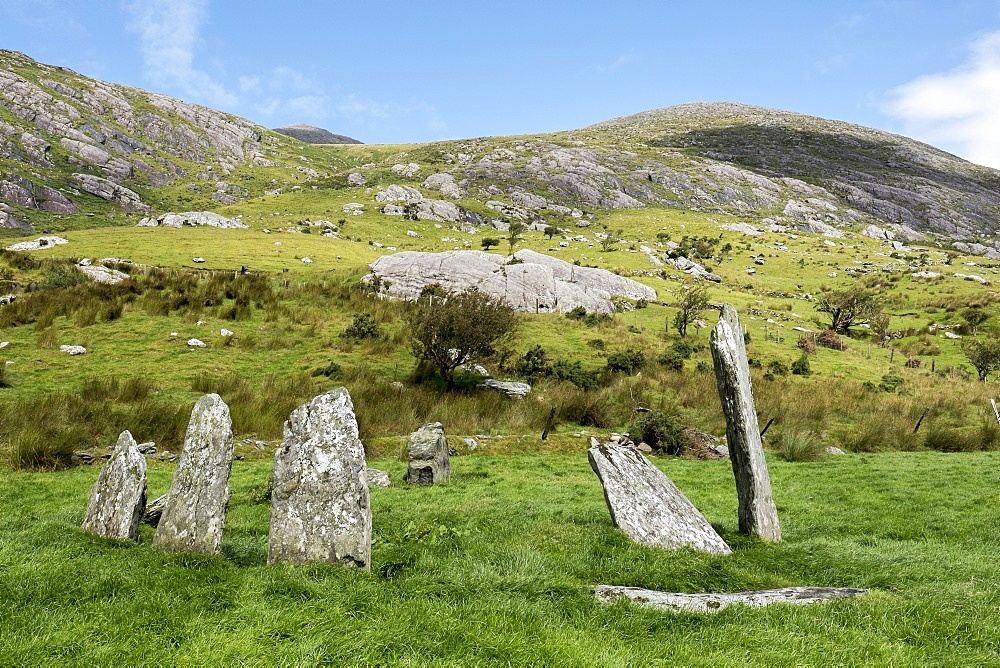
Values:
[(195, 513), (320, 509), (758, 516), (118, 498), (428, 456), (647, 505)]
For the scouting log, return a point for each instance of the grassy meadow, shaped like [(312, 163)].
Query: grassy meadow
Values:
[(496, 568)]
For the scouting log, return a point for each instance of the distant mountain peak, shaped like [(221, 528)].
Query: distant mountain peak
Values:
[(310, 134)]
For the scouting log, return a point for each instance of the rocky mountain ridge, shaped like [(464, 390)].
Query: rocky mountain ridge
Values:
[(310, 134), (70, 145)]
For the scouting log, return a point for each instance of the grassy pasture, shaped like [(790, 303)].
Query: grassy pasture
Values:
[(496, 568)]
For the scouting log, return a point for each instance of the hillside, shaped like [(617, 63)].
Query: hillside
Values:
[(73, 147), (312, 135)]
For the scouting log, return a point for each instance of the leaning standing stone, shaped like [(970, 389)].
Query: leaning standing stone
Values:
[(427, 453), (195, 512), (320, 508), (119, 495), (758, 516), (647, 505)]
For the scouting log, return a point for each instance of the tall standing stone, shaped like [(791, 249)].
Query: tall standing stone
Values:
[(427, 453), (647, 505), (118, 498), (758, 516), (195, 512), (320, 509)]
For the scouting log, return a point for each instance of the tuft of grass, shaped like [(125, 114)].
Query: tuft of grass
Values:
[(796, 445)]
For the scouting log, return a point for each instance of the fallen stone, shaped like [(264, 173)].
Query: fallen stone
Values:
[(693, 268), (356, 179), (73, 350), (646, 505), (154, 511), (831, 450), (195, 514), (757, 513), (320, 507), (118, 498), (100, 274), (427, 455), (713, 602), (196, 343)]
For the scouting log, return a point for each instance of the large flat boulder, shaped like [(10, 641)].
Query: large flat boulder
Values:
[(534, 282)]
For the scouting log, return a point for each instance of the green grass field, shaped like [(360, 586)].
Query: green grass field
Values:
[(495, 568)]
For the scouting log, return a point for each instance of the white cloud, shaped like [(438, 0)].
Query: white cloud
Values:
[(957, 110), (168, 37), (618, 63)]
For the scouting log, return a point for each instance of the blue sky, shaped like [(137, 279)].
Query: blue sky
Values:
[(420, 71)]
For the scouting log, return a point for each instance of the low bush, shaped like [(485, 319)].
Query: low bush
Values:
[(800, 367), (627, 361), (661, 430), (830, 339), (806, 344), (362, 327), (800, 446)]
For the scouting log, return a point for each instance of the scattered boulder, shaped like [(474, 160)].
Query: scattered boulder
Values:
[(693, 268), (407, 171), (194, 219), (118, 498), (757, 512), (73, 350), (195, 513), (713, 602), (356, 179), (102, 274), (320, 507), (196, 343), (377, 478), (646, 505), (397, 193), (511, 388), (833, 450), (427, 453)]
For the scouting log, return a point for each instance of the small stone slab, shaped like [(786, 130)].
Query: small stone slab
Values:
[(647, 505), (119, 495), (154, 511), (757, 512), (195, 514), (713, 602), (320, 506), (427, 453)]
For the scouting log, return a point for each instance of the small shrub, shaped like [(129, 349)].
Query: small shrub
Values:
[(576, 374), (661, 430), (331, 370), (890, 383), (671, 360), (806, 344), (800, 367), (577, 313), (597, 344), (830, 339), (642, 303), (800, 446), (595, 319), (627, 361), (363, 327), (777, 368), (533, 364), (634, 330), (703, 367)]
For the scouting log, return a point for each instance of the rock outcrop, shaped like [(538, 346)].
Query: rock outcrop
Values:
[(320, 507), (193, 219), (535, 282)]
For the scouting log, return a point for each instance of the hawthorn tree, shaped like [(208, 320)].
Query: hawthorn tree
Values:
[(461, 329), (487, 242), (514, 232), (849, 307), (983, 354), (692, 302)]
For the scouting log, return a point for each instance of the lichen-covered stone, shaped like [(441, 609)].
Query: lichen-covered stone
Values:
[(320, 508), (118, 498), (758, 514), (427, 453), (195, 513), (647, 505)]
